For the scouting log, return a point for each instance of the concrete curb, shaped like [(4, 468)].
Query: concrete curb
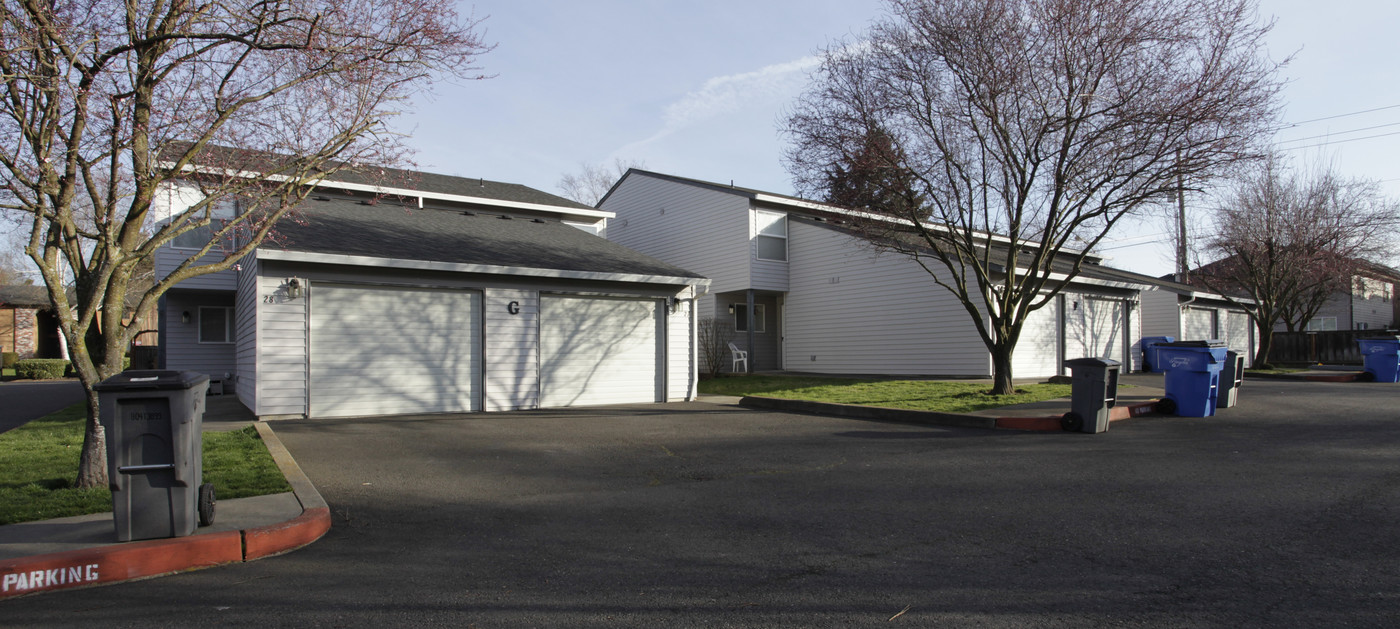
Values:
[(932, 418), (1347, 376), (150, 558)]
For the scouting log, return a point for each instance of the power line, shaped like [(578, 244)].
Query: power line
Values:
[(1328, 135), (1354, 113), (1313, 146)]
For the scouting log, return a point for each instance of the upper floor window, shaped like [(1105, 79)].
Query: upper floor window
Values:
[(770, 239), (198, 237), (1322, 324)]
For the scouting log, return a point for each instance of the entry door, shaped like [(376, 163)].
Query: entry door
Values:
[(599, 351), (393, 351)]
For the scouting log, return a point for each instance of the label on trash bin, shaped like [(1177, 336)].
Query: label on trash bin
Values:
[(150, 379)]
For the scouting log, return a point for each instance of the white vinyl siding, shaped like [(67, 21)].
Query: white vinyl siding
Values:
[(1161, 314), (281, 349), (183, 350), (849, 311), (512, 350), (599, 351), (692, 227), (681, 356), (246, 333), (1037, 353), (389, 351)]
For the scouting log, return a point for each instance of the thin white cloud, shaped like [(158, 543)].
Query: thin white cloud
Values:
[(724, 95)]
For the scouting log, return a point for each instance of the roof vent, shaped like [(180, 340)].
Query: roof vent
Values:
[(505, 217), (466, 213), (369, 202), (538, 220), (321, 198)]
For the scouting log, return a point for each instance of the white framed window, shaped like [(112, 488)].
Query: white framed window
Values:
[(741, 318), (1322, 324), (215, 324), (770, 235), (198, 237)]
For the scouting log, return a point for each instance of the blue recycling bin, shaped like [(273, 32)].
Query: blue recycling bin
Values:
[(1150, 358), (1381, 356), (1193, 375)]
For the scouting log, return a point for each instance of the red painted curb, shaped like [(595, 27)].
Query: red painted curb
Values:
[(275, 539), (119, 562), (1116, 413)]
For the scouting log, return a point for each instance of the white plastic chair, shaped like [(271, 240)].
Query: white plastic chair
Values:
[(739, 356)]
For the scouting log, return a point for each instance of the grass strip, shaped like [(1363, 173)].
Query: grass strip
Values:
[(925, 395), (39, 460)]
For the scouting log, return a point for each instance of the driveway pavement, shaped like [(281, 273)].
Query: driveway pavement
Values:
[(24, 400), (1283, 511)]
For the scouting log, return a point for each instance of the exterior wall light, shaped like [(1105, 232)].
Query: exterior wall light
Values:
[(293, 288)]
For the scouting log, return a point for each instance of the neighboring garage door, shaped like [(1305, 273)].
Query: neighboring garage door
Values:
[(598, 351), (1094, 328), (393, 351), (1237, 327), (1199, 325)]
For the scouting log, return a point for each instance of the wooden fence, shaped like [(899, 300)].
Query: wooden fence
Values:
[(1337, 348)]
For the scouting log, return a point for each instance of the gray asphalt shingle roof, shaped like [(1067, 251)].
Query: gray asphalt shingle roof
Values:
[(389, 230)]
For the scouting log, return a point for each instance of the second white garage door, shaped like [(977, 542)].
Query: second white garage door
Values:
[(393, 351), (599, 351)]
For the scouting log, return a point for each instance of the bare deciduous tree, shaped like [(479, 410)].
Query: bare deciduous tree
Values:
[(1290, 241), (713, 335), (591, 183), (1029, 125), (106, 103)]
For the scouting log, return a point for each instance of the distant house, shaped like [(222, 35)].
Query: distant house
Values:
[(806, 292), (453, 295), (28, 326), (1368, 305)]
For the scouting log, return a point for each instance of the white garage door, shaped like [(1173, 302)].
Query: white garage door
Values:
[(1199, 325), (392, 351), (1037, 353), (1237, 328), (598, 351), (1094, 328)]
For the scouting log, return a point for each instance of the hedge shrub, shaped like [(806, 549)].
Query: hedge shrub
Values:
[(41, 368), (8, 360)]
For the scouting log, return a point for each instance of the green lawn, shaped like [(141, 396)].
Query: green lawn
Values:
[(925, 395), (39, 460)]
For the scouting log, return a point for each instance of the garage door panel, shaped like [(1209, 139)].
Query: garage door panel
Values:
[(385, 350), (598, 351), (1094, 329)]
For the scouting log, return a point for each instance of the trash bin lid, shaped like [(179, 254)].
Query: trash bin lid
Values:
[(146, 379), (1092, 362), (1392, 338), (1204, 344)]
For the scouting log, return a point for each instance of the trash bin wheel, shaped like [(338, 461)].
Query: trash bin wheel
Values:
[(1167, 406), (1071, 422), (206, 504)]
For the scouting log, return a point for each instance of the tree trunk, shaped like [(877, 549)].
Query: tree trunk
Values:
[(1266, 345), (92, 464), (1001, 370)]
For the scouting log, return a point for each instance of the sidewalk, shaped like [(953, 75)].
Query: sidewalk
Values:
[(81, 551)]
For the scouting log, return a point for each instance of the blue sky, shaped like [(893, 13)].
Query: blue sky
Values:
[(696, 89)]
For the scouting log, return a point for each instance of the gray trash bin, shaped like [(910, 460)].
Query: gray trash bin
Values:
[(155, 460), (1231, 377), (1093, 390)]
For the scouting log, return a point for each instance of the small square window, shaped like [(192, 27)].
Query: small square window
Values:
[(215, 324), (741, 318)]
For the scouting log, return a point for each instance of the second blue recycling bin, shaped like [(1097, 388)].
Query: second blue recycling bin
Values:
[(1381, 356), (1193, 375), (1150, 357)]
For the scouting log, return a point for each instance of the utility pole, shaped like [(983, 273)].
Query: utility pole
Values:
[(1181, 269)]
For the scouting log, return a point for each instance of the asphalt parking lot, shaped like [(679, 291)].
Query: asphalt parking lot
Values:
[(1283, 511)]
